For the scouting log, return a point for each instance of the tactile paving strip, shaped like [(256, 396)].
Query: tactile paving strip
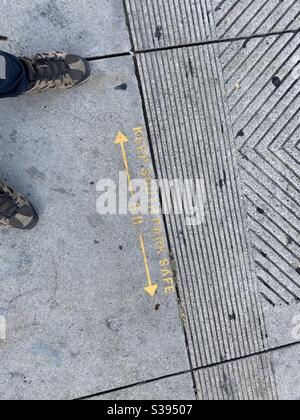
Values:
[(240, 18), (164, 23), (249, 379), (192, 138), (262, 82)]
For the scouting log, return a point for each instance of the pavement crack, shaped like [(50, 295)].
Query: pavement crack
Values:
[(181, 373)]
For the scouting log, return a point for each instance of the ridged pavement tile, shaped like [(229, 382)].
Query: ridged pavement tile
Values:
[(192, 137), (164, 23), (248, 379), (262, 83), (272, 376), (228, 114)]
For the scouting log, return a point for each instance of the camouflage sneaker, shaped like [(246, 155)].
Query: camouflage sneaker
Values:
[(15, 211), (56, 70)]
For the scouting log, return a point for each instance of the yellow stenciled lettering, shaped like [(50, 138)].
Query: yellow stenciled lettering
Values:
[(171, 286), (164, 263), (138, 220), (139, 131), (166, 273), (157, 232), (146, 173)]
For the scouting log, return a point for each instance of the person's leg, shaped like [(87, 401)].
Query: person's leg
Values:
[(15, 210), (52, 70), (13, 77)]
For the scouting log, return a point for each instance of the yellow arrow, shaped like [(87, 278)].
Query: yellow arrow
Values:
[(151, 289), (121, 139)]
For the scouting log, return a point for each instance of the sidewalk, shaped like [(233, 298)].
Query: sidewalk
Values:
[(211, 92)]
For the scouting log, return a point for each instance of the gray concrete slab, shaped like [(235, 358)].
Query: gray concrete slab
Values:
[(89, 28), (178, 388), (286, 365), (282, 322), (160, 23), (78, 319)]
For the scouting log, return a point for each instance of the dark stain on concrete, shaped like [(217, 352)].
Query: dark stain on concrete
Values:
[(53, 13), (264, 254), (191, 67), (113, 324), (260, 211), (240, 134), (223, 181), (62, 191), (122, 87), (13, 136), (35, 173), (232, 317), (276, 81), (158, 33)]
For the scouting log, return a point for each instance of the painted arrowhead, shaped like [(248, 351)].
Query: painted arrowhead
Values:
[(121, 138), (151, 290)]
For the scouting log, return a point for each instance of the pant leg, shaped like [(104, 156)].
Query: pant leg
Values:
[(13, 78)]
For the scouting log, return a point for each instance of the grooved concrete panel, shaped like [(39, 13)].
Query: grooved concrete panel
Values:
[(240, 18), (262, 83), (161, 23), (72, 291), (234, 123), (88, 27), (271, 376), (178, 388), (248, 379), (192, 137)]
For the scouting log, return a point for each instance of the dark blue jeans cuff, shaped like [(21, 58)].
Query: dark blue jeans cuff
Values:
[(13, 77)]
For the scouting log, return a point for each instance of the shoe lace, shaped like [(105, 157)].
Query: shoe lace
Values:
[(8, 202), (50, 69)]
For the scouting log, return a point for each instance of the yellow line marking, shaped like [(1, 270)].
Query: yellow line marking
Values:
[(121, 139), (151, 289), (127, 169)]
